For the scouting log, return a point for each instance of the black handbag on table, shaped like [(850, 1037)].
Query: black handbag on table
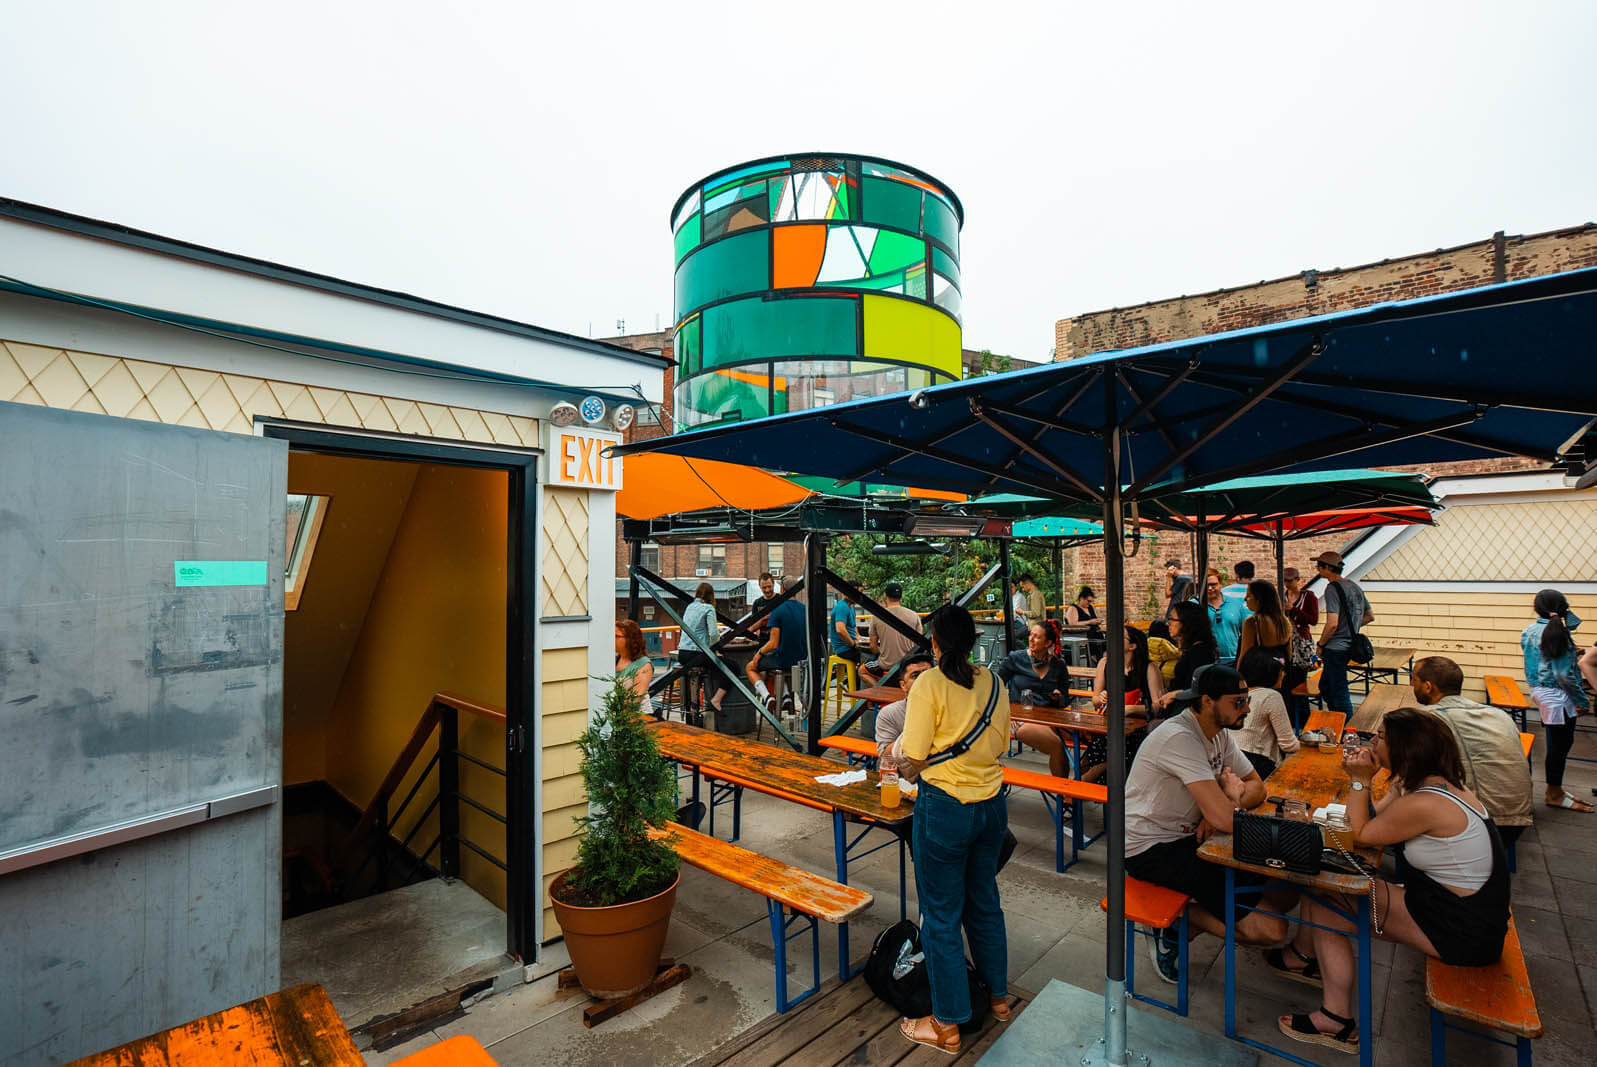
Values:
[(1272, 841)]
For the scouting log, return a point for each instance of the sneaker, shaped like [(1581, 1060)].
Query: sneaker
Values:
[(1165, 949)]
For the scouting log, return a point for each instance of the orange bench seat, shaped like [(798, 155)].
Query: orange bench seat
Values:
[(1498, 997), (459, 1051), (1159, 908)]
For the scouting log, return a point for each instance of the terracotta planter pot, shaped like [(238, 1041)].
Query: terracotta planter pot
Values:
[(615, 950)]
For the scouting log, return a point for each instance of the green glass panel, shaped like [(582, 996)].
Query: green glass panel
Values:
[(940, 224), (689, 354), (945, 264), (742, 331), (720, 397), (687, 238), (729, 267), (844, 198), (890, 203), (895, 251)]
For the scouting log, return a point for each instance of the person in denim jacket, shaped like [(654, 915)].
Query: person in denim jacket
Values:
[(1552, 671)]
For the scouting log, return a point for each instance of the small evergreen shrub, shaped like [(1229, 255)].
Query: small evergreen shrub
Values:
[(630, 787)]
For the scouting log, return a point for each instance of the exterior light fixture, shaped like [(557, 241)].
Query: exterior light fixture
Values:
[(917, 547), (622, 417), (592, 409), (564, 414), (944, 525)]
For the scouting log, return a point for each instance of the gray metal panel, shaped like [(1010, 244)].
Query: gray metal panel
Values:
[(123, 697)]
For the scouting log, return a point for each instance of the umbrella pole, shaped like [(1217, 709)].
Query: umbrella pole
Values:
[(1200, 575), (1114, 999), (1059, 572), (632, 590), (819, 624), (1009, 597), (1280, 559)]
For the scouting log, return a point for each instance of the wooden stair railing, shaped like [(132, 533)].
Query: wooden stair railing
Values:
[(440, 714)]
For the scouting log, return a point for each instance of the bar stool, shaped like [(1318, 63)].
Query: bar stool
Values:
[(837, 694)]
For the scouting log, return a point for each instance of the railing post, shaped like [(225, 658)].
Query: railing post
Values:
[(382, 840), (448, 792)]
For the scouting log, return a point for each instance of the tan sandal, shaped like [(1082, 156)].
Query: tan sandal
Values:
[(944, 1037), (1003, 1009)]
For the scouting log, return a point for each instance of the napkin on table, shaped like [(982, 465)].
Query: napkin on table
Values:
[(843, 778)]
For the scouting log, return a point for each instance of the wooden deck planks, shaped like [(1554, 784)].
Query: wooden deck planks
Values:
[(845, 1024)]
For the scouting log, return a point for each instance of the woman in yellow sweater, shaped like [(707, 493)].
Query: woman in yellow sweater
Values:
[(955, 728)]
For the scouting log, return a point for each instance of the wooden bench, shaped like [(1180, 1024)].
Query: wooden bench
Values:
[(460, 1051), (1328, 722), (1158, 908), (1504, 692), (1526, 742), (1386, 662), (1497, 997), (297, 1027), (809, 897), (1055, 793), (1309, 688)]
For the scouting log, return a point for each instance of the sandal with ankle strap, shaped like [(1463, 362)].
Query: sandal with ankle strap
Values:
[(1309, 974), (1003, 1009), (928, 1031), (1302, 1028)]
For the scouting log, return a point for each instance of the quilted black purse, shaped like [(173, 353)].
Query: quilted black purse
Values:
[(1271, 841)]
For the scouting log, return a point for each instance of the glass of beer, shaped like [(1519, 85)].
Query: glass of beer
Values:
[(890, 794), (1338, 833)]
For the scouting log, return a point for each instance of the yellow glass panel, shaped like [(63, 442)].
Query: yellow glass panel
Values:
[(909, 331)]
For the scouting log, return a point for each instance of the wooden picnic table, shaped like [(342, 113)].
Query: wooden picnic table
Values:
[(1086, 722), (781, 772), (1387, 662), (298, 1027), (1316, 778), (1382, 698), (1329, 723), (877, 694)]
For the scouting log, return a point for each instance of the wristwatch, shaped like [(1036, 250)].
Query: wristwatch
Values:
[(1358, 786)]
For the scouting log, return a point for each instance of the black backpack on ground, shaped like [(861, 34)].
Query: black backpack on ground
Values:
[(896, 972)]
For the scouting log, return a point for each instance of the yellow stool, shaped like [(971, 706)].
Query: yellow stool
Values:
[(837, 695)]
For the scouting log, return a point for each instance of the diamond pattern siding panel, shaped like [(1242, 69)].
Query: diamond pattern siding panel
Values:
[(187, 396), (565, 553), (1552, 541)]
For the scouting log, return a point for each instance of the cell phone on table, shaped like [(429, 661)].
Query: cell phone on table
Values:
[(1277, 801)]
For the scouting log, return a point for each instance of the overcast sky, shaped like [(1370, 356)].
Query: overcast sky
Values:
[(523, 159)]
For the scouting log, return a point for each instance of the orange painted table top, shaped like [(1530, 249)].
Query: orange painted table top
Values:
[(779, 771), (1526, 743), (878, 694), (1322, 721), (298, 1027), (797, 889), (1317, 779), (1081, 722), (461, 1050)]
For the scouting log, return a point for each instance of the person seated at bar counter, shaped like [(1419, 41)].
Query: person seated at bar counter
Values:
[(1454, 905), (1035, 676), (1188, 779)]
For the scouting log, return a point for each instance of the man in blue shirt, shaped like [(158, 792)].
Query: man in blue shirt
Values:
[(1238, 590), (845, 630), (1225, 618), (786, 644)]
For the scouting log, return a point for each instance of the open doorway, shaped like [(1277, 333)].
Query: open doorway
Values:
[(406, 699)]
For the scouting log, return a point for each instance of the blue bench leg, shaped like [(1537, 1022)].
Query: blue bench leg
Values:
[(1131, 958), (1438, 1040), (1522, 1054), (1181, 984), (779, 940)]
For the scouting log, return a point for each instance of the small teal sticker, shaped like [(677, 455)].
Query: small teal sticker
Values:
[(192, 573)]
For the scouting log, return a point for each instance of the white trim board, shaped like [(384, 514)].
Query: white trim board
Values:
[(1530, 588)]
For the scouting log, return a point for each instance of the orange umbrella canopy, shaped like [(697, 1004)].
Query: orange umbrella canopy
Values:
[(655, 484)]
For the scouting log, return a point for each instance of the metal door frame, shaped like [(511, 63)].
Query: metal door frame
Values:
[(521, 538)]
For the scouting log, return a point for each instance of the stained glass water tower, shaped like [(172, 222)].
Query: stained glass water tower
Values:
[(810, 280)]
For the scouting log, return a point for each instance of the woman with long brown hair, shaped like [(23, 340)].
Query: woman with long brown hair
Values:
[(1268, 626), (1454, 903)]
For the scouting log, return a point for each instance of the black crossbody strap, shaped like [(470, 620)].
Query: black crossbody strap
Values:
[(962, 746)]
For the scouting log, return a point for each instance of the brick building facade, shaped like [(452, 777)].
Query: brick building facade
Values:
[(1497, 259)]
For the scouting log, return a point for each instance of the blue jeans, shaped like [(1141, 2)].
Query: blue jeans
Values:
[(1333, 681), (956, 877)]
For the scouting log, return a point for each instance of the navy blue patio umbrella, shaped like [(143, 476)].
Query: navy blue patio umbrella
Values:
[(1505, 370)]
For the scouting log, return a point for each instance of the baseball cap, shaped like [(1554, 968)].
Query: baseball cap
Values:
[(1213, 680), (1330, 559)]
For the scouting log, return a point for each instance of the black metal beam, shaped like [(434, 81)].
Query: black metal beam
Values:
[(1044, 486), (819, 642), (980, 410), (1009, 593), (1309, 353)]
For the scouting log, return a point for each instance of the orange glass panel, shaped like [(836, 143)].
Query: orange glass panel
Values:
[(796, 253)]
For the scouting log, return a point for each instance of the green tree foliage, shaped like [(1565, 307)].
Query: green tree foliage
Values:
[(631, 787), (932, 580)]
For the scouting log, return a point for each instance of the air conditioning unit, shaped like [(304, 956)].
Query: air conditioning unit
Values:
[(702, 572)]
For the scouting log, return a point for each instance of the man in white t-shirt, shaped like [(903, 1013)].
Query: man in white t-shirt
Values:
[(1188, 778)]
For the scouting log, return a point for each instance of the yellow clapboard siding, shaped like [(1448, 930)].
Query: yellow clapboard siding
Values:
[(564, 728), (560, 823), (563, 791)]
